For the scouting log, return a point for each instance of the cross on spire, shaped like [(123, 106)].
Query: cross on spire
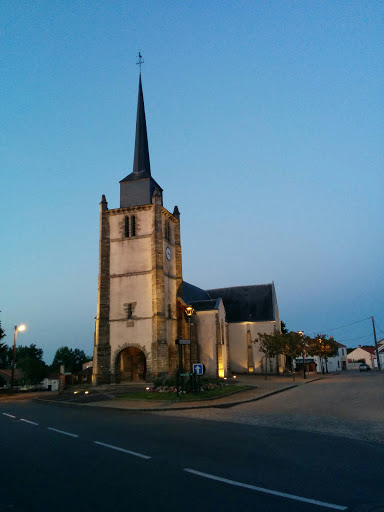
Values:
[(140, 61)]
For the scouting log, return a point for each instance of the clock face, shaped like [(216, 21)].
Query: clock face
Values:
[(168, 253)]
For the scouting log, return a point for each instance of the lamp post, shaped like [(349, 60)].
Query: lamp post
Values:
[(20, 328), (301, 334), (189, 312), (321, 355)]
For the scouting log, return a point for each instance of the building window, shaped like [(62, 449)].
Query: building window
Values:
[(126, 227), (129, 311), (169, 311), (130, 226), (167, 230)]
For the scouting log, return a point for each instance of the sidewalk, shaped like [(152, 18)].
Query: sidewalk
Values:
[(262, 389)]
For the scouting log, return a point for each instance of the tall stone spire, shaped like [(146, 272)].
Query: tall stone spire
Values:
[(141, 159)]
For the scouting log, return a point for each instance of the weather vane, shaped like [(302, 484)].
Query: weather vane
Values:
[(140, 61)]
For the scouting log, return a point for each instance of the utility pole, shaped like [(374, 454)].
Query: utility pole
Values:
[(377, 348)]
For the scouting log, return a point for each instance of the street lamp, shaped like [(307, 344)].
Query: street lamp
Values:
[(21, 328), (189, 312), (321, 355), (301, 334)]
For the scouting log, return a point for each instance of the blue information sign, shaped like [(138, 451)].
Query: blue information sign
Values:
[(198, 368)]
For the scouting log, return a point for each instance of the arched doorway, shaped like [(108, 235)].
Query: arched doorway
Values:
[(131, 365)]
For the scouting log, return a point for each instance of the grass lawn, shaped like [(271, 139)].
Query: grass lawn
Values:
[(211, 393)]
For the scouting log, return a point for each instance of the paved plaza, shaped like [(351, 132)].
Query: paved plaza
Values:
[(349, 404)]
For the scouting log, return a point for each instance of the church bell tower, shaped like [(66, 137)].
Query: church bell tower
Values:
[(140, 273)]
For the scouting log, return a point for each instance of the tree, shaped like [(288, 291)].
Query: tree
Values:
[(271, 345), (31, 352), (305, 347), (3, 350), (283, 327), (292, 347), (2, 332), (3, 346), (72, 359), (22, 352), (34, 370), (6, 356), (326, 348)]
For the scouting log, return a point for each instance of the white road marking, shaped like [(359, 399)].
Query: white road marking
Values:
[(266, 491), (27, 421), (62, 432), (122, 450), (9, 415)]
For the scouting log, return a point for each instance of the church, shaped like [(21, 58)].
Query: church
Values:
[(143, 304)]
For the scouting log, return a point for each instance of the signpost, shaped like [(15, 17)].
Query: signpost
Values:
[(198, 369), (181, 373)]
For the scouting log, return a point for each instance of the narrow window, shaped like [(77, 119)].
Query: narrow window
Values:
[(129, 311), (133, 225), (168, 231), (169, 311), (126, 227), (166, 228)]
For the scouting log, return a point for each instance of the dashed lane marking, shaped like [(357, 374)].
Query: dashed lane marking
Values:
[(122, 450), (28, 421), (9, 415), (62, 432), (266, 491)]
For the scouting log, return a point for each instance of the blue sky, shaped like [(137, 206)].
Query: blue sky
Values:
[(265, 126)]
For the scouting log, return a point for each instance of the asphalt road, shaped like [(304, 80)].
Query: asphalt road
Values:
[(64, 457)]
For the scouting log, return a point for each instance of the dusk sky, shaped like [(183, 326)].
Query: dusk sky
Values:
[(265, 126)]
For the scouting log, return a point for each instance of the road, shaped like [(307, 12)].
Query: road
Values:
[(349, 404), (63, 457)]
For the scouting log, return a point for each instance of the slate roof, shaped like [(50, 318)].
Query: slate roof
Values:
[(246, 303), (206, 305), (141, 176), (193, 293), (141, 158)]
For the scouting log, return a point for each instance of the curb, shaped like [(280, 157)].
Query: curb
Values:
[(186, 407)]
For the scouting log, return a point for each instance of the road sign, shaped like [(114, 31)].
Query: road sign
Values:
[(185, 374), (183, 342), (198, 368)]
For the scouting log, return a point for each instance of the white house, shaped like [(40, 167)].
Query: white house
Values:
[(51, 382), (361, 354)]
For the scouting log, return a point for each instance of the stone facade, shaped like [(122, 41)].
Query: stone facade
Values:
[(139, 275)]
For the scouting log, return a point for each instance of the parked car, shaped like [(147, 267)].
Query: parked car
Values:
[(364, 367)]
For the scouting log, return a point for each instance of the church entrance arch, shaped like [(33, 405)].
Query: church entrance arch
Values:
[(131, 365)]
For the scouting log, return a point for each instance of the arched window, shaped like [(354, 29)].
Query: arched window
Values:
[(126, 227), (133, 225), (130, 226), (167, 230)]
